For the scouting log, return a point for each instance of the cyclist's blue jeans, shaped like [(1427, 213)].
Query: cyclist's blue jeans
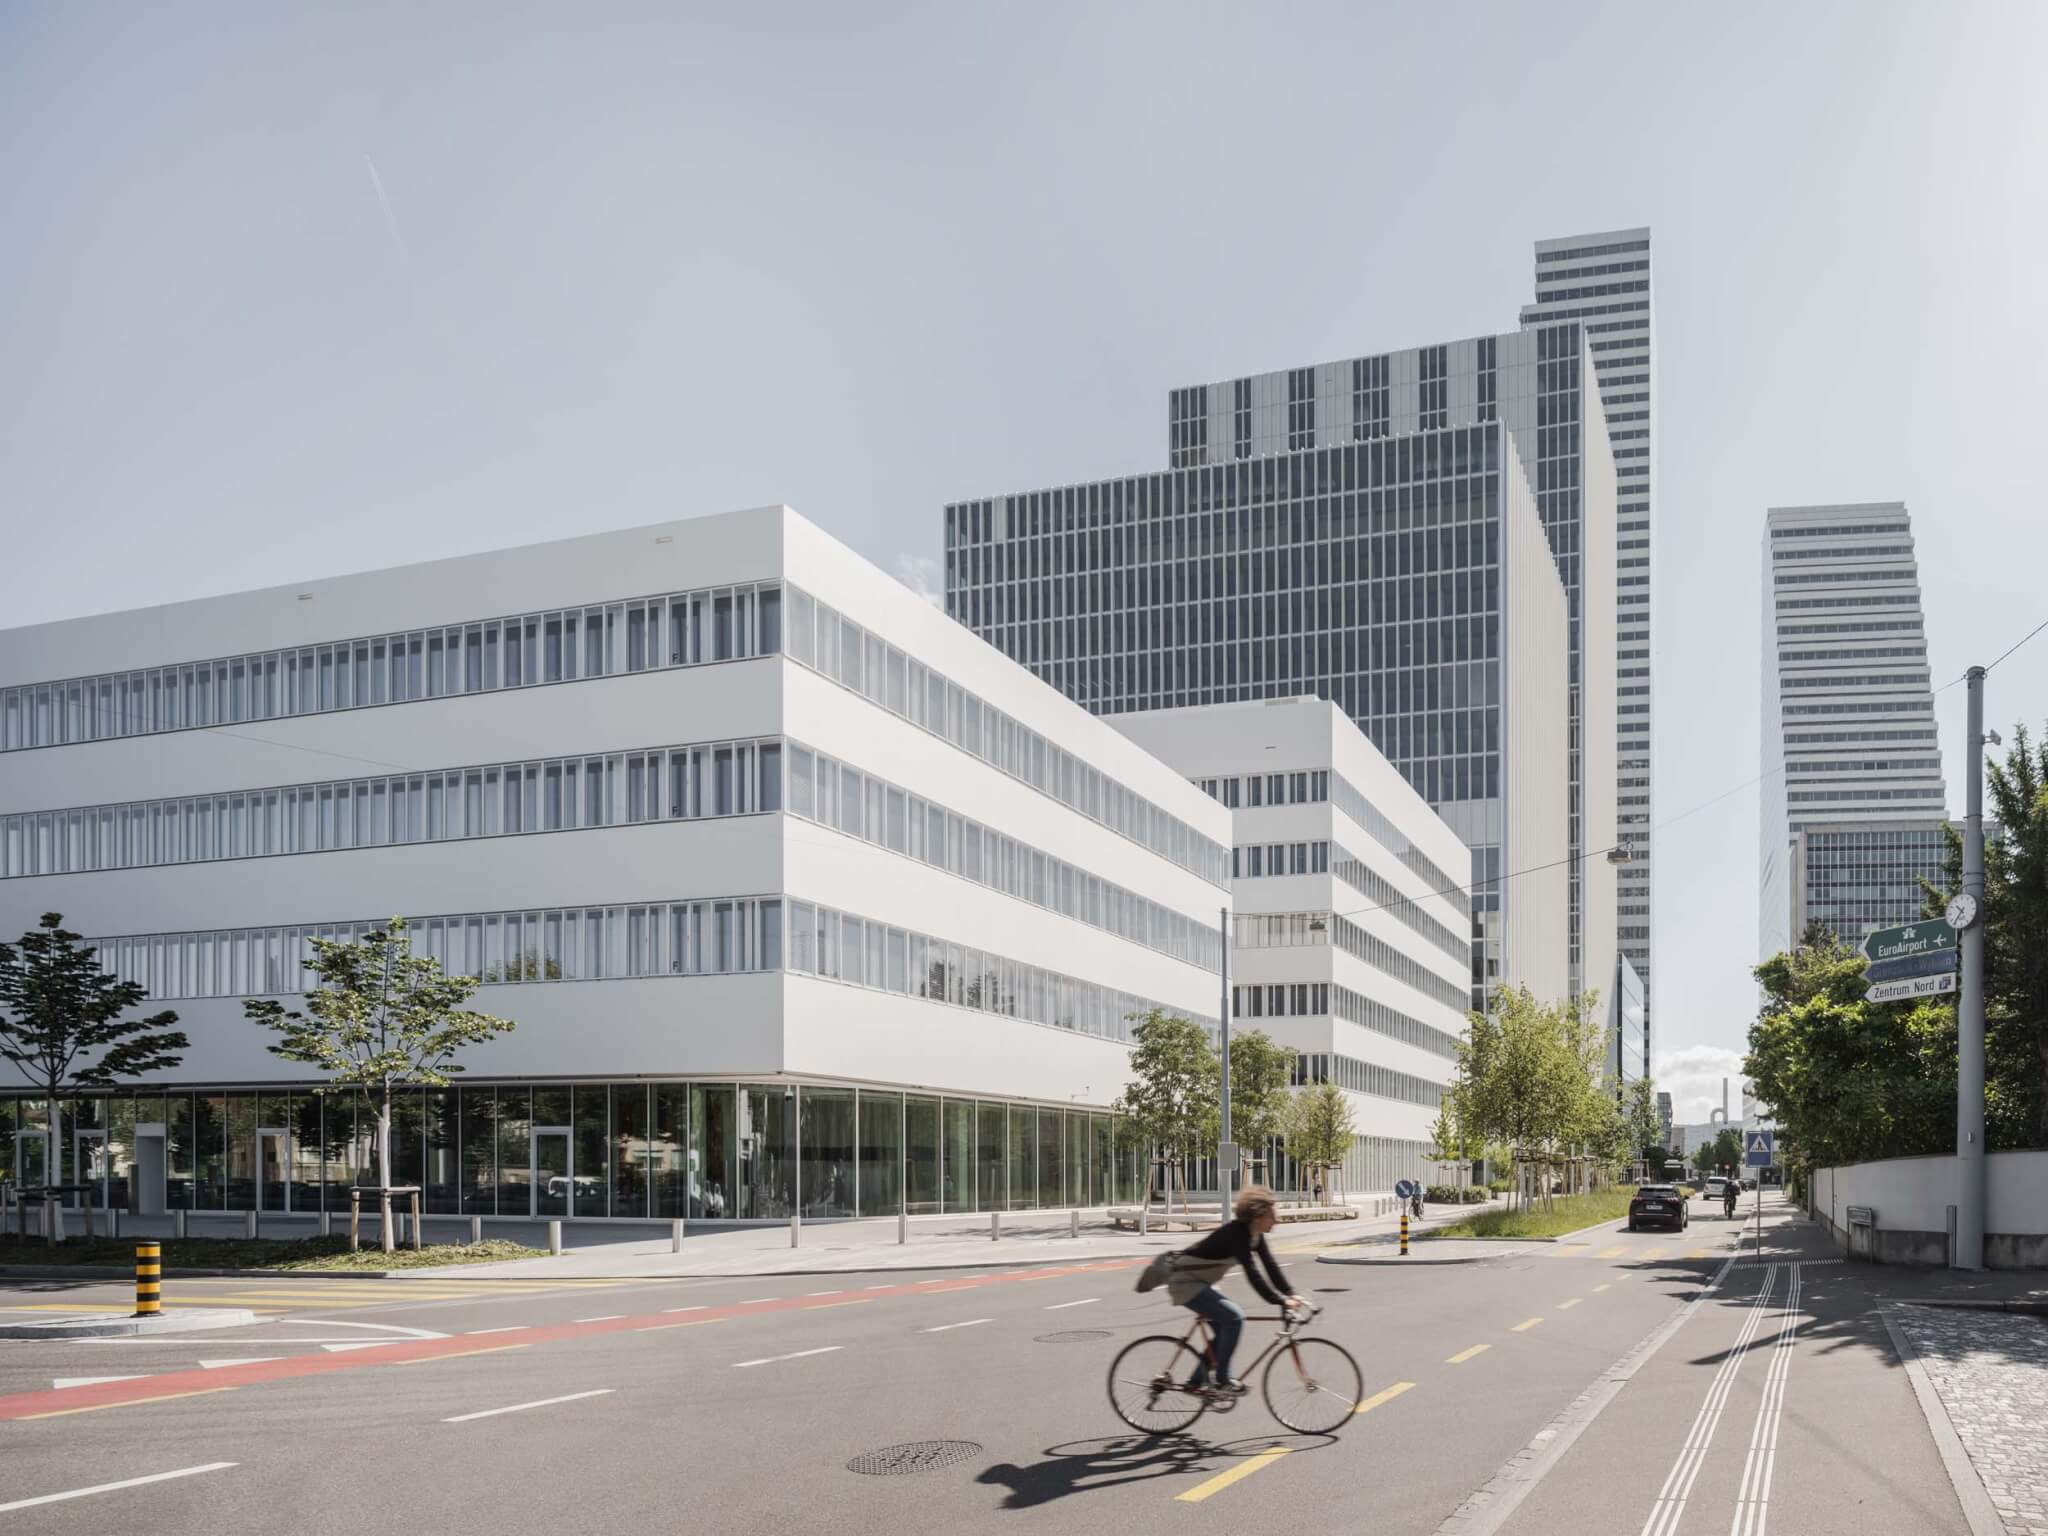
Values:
[(1226, 1318)]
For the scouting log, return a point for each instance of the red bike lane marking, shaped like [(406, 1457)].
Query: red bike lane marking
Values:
[(63, 1401)]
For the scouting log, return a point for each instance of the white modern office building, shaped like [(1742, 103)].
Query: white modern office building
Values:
[(1351, 922), (1853, 795), (797, 892)]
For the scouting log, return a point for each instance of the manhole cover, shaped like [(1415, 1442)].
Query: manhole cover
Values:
[(917, 1456), (1073, 1336)]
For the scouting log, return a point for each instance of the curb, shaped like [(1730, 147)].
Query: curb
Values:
[(2016, 1305), (1978, 1509), (770, 1274), (125, 1327), (127, 1271), (1395, 1259)]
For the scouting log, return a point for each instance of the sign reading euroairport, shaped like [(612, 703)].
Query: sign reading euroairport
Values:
[(1908, 942), (1912, 986)]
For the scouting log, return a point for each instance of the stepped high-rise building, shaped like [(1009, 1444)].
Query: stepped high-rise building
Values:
[(1853, 797), (1602, 282)]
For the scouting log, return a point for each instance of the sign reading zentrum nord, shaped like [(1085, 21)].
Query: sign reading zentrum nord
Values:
[(1908, 941)]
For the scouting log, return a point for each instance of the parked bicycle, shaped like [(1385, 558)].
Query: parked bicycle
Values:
[(1313, 1386)]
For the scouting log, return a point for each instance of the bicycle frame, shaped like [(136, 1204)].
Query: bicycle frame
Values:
[(1289, 1326)]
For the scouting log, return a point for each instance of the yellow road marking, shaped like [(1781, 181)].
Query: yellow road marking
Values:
[(1223, 1480), (1615, 1252), (464, 1354), (1562, 1305), (1653, 1254), (695, 1322), (1600, 1287), (1466, 1354), (1699, 1253), (826, 1306), (1383, 1397), (133, 1402), (1526, 1324)]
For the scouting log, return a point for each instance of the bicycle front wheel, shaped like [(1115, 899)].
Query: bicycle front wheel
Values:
[(1313, 1386), (1148, 1385)]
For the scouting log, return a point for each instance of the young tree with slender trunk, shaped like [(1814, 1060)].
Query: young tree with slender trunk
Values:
[(1318, 1126), (381, 1018), (1259, 1072), (1171, 1101), (62, 1024)]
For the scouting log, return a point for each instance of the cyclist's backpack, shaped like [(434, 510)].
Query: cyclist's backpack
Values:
[(1157, 1273)]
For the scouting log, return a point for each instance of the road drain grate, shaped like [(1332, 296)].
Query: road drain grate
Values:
[(1073, 1336), (916, 1456)]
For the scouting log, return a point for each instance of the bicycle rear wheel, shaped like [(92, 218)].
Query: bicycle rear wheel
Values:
[(1313, 1386), (1148, 1385)]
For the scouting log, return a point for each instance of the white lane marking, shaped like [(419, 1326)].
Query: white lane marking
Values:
[(411, 1333), (126, 1482), (740, 1365), (59, 1383), (1061, 1306), (338, 1349), (821, 1293), (972, 1322), (545, 1402), (508, 1328), (879, 1285), (609, 1317), (1670, 1506), (1752, 1504), (698, 1308), (755, 1301), (218, 1365)]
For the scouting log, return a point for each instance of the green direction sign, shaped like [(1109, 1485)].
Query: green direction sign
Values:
[(1908, 941)]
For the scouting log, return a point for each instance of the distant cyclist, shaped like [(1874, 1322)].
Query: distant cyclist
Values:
[(1728, 1189), (1194, 1272)]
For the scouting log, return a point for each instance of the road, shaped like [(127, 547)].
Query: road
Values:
[(735, 1405)]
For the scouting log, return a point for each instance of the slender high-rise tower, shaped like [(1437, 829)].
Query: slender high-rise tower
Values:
[(1602, 281), (1853, 797)]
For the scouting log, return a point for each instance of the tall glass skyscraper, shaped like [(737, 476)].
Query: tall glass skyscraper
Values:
[(1853, 796), (1404, 575)]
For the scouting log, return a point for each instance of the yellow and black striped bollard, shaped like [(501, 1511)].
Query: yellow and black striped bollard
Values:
[(149, 1272), (1404, 1234)]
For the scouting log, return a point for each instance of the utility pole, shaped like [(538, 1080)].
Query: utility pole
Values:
[(1223, 1174), (1970, 1002)]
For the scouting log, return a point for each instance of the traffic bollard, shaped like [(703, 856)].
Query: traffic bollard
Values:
[(903, 1225), (249, 1224), (326, 1223), (178, 1224), (476, 1229), (675, 1236), (555, 1238), (1073, 1223), (796, 1228), (1145, 1219), (995, 1225), (149, 1283), (1404, 1233)]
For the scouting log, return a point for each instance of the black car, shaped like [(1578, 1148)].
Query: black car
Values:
[(1657, 1205)]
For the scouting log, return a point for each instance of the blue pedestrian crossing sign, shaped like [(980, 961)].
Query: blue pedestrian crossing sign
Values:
[(1759, 1149)]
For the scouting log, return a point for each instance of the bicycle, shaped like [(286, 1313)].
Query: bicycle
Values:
[(1317, 1393)]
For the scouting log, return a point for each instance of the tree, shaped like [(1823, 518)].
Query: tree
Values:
[(380, 1018), (1528, 1076), (1170, 1101), (2015, 919), (1642, 1128), (62, 1024), (1318, 1125), (1259, 1073), (1727, 1152)]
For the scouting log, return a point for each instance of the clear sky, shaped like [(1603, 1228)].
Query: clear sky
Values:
[(288, 291)]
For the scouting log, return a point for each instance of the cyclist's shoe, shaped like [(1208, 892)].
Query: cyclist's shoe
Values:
[(1232, 1388)]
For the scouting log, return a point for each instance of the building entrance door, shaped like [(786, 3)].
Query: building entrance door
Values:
[(552, 1170), (273, 1171), (89, 1162)]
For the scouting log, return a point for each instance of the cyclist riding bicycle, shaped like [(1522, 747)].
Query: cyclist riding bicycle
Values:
[(1728, 1189), (1194, 1271)]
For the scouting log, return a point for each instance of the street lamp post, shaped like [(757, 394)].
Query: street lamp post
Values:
[(1223, 1012), (1966, 913)]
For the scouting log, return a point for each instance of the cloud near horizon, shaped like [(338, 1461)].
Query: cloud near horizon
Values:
[(1692, 1077)]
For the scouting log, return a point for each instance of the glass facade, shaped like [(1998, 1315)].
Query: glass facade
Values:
[(1870, 878), (708, 1151)]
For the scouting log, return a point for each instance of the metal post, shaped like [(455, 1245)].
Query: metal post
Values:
[(476, 1229), (903, 1168), (555, 1238), (148, 1279), (178, 1224), (1145, 1216), (995, 1225), (903, 1223), (1073, 1223), (1969, 1248), (326, 1223), (248, 1224), (796, 1205), (675, 1236), (1224, 1175)]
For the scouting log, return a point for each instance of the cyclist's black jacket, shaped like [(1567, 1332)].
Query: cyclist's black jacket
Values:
[(1235, 1240)]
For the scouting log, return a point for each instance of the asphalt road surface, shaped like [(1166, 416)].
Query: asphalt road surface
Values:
[(736, 1405)]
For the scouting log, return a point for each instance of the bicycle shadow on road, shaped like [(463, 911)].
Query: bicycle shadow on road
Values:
[(1090, 1466)]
